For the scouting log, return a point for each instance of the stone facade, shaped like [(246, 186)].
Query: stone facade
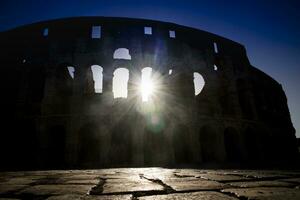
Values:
[(53, 119)]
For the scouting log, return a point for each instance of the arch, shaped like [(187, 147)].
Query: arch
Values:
[(71, 71), (56, 146), (89, 145), (232, 144), (120, 83), (198, 83), (120, 151), (154, 145), (181, 144), (122, 53), (146, 84), (45, 32), (215, 67), (97, 72), (23, 135), (209, 144), (252, 142)]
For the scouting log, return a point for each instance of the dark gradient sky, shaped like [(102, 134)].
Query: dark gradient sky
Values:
[(270, 30)]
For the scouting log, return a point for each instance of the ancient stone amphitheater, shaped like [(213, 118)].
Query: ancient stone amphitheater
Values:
[(72, 98)]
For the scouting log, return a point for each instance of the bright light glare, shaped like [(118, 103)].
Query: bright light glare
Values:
[(147, 85)]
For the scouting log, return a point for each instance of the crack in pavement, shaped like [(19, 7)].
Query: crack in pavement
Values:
[(247, 179), (233, 195), (166, 187), (98, 189), (183, 176)]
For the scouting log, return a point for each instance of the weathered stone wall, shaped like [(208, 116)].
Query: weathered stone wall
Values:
[(51, 120)]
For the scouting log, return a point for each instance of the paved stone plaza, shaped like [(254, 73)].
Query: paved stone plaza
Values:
[(150, 183)]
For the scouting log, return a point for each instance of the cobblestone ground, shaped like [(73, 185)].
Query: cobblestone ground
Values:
[(150, 183)]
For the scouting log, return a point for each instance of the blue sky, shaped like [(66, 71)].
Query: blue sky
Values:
[(270, 30)]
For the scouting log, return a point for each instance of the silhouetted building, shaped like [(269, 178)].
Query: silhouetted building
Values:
[(209, 104), (298, 144)]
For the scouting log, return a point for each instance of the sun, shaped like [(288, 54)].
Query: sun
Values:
[(146, 89), (147, 84)]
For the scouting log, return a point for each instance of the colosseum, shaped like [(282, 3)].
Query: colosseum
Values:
[(95, 92)]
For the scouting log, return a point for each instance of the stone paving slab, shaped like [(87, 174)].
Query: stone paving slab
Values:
[(44, 190), (129, 185), (192, 184), (265, 193), (222, 177), (19, 181), (263, 174), (7, 189), (188, 172), (89, 197), (262, 184), (190, 196), (150, 183), (291, 180)]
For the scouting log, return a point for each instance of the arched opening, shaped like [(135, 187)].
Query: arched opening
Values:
[(232, 144), (155, 146), (198, 83), (45, 32), (252, 142), (120, 83), (147, 83), (215, 67), (97, 78), (56, 146), (122, 53), (181, 144), (89, 146), (209, 144), (71, 71), (23, 136), (120, 146)]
